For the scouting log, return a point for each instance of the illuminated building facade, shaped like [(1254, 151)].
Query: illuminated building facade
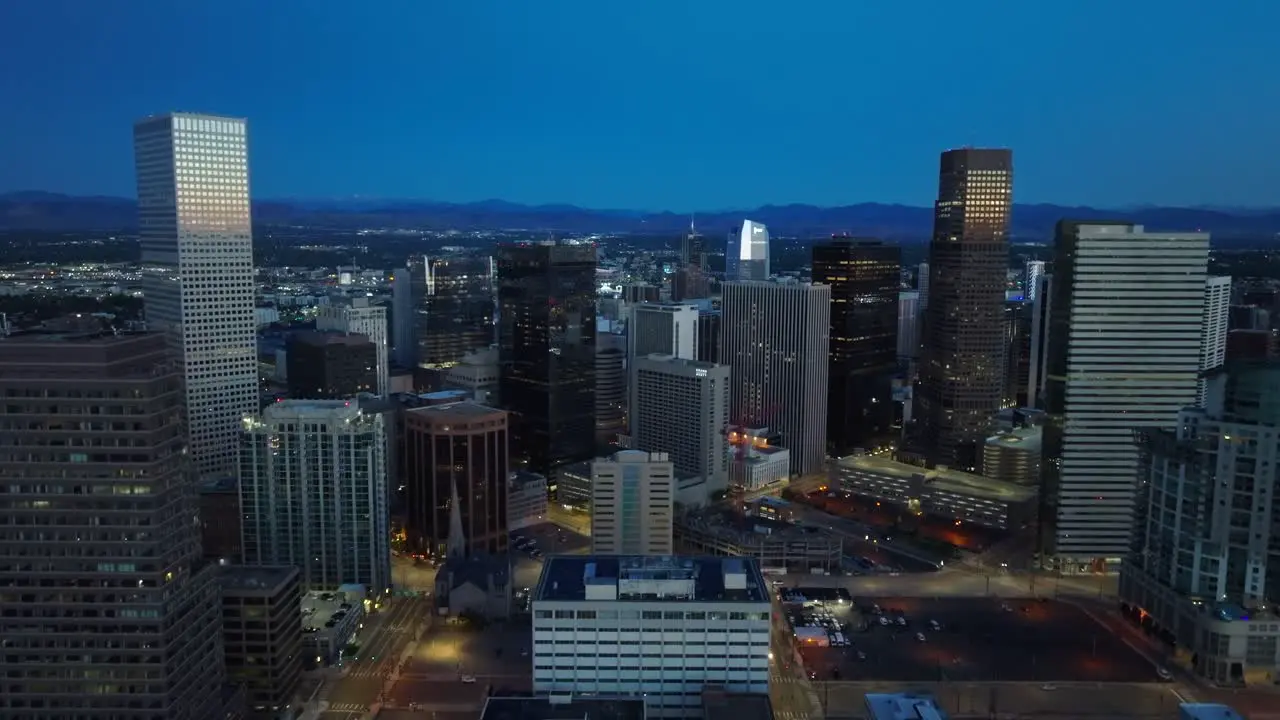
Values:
[(962, 379), (864, 276), (197, 255), (451, 303), (746, 255), (547, 351)]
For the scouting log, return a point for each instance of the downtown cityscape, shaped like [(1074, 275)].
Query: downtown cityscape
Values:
[(367, 458)]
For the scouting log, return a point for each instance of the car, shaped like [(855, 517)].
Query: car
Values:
[(468, 679), (920, 637), (902, 621), (862, 655), (813, 675), (884, 620), (524, 652), (933, 625), (1163, 673), (1048, 688)]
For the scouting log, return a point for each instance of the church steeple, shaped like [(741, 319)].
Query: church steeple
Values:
[(456, 545)]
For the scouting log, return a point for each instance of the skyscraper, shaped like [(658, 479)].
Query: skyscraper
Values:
[(547, 351), (681, 408), (106, 608), (314, 493), (774, 338), (690, 279), (1124, 354), (908, 325), (451, 301), (358, 316), (1030, 277), (962, 368), (197, 256), (1213, 328), (746, 256), (864, 276), (1038, 364)]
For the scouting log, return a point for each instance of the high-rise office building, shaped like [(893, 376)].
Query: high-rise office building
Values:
[(106, 609), (908, 325), (864, 277), (1018, 317), (1205, 565), (1213, 328), (313, 490), (1030, 278), (774, 338), (331, 365), (922, 284), (547, 351), (1038, 364), (664, 329), (451, 303), (1124, 354), (262, 635), (746, 256), (708, 335), (633, 497), (962, 380), (359, 317), (681, 408), (457, 448), (197, 257)]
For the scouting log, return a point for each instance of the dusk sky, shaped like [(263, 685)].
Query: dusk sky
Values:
[(658, 104)]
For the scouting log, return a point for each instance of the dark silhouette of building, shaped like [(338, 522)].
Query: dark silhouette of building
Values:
[(262, 635), (865, 278), (331, 365), (103, 585), (691, 279), (220, 518), (1017, 332), (962, 379), (462, 446), (547, 351), (708, 336), (450, 306)]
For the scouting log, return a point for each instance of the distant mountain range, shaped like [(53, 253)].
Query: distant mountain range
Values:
[(43, 211)]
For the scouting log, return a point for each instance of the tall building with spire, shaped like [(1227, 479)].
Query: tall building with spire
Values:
[(691, 280), (962, 379)]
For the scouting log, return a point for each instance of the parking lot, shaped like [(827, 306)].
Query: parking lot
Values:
[(456, 666), (977, 640)]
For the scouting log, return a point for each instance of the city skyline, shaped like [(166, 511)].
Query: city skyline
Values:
[(491, 104)]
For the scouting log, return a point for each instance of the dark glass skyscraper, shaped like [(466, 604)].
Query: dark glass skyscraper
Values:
[(451, 302), (865, 277), (962, 378), (547, 351)]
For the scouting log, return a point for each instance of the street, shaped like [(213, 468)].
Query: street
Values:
[(575, 521), (960, 582), (386, 635)]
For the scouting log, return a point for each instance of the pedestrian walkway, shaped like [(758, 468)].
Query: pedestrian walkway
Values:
[(790, 715), (347, 707)]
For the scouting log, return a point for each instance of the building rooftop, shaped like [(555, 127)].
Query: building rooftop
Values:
[(255, 577), (460, 410), (651, 578), (1027, 438), (318, 608), (330, 337), (902, 706), (564, 707), (955, 481), (1207, 711)]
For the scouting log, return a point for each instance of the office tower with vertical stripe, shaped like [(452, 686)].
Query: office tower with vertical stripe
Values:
[(197, 257), (775, 339), (864, 277), (1030, 277), (962, 380), (632, 504), (1213, 329), (1124, 355)]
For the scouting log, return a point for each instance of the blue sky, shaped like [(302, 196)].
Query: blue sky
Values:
[(677, 104)]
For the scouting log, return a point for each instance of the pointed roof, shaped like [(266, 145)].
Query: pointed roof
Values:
[(456, 545)]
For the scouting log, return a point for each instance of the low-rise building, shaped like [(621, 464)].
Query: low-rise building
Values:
[(756, 460), (478, 373), (331, 622), (573, 485), (526, 499), (778, 547), (262, 635), (902, 706), (941, 492), (661, 628), (563, 707)]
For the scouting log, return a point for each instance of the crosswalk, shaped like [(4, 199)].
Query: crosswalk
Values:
[(791, 715), (348, 707)]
